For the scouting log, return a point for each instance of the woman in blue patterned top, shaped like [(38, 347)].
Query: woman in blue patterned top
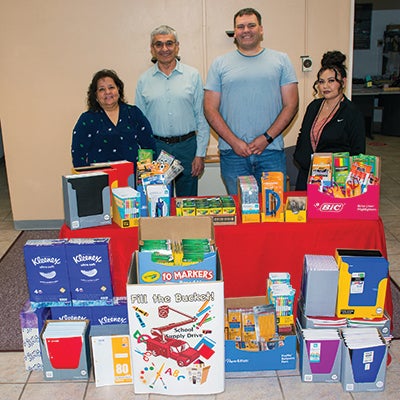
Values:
[(111, 129)]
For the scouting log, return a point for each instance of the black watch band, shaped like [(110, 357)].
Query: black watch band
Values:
[(269, 138)]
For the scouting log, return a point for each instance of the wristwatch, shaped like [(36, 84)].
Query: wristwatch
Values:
[(269, 138)]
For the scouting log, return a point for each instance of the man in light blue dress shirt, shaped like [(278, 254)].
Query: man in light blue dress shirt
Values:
[(170, 94)]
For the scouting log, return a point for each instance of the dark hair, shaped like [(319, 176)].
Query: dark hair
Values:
[(247, 11), (92, 103), (333, 60)]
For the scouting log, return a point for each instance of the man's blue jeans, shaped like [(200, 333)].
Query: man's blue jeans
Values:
[(233, 166)]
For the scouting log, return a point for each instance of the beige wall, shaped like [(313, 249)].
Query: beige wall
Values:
[(50, 49)]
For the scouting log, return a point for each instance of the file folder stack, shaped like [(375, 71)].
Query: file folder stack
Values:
[(65, 350), (364, 354), (363, 276), (320, 355), (319, 285)]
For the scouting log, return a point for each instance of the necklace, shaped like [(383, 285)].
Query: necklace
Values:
[(318, 126)]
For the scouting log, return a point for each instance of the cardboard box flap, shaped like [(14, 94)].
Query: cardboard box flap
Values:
[(176, 228)]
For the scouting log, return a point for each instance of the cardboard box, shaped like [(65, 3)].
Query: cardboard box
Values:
[(322, 205), (65, 350), (272, 202), (222, 209), (121, 173), (111, 354), (47, 272), (89, 271), (98, 315), (32, 321), (363, 277), (364, 369), (320, 358), (249, 199), (158, 200), (126, 207), (296, 209), (177, 335), (176, 229), (281, 354), (87, 200)]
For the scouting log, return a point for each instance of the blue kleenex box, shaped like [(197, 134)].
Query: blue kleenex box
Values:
[(115, 315), (89, 271), (47, 272), (78, 313), (98, 315)]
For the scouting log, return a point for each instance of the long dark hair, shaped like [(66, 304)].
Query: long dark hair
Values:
[(92, 103), (333, 60)]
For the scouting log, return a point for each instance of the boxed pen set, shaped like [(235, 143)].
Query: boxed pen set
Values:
[(272, 202), (248, 199), (222, 209), (343, 186)]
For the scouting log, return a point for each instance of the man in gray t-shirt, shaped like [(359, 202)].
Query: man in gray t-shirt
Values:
[(250, 97)]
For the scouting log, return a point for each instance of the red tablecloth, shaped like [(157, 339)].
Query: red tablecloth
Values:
[(250, 251)]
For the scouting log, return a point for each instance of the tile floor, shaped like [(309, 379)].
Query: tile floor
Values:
[(16, 383)]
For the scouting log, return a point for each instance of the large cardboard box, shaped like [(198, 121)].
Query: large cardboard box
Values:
[(281, 353), (176, 229), (177, 335)]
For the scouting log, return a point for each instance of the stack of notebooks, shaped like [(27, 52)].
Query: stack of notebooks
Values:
[(364, 354)]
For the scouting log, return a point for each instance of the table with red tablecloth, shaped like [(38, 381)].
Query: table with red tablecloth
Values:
[(248, 252)]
